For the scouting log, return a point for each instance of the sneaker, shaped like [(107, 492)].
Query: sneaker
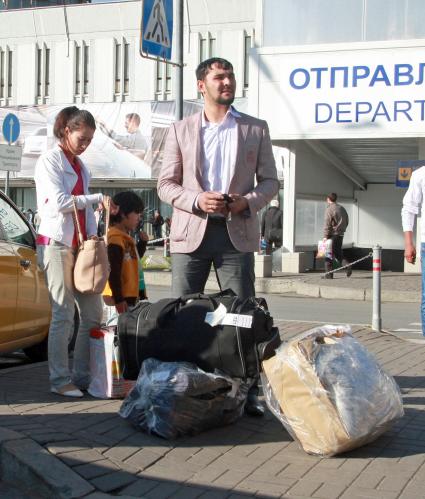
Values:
[(68, 390)]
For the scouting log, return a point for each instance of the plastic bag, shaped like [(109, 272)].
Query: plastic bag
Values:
[(324, 249), (178, 398), (105, 369), (329, 391)]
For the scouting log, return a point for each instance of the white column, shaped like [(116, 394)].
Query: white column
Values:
[(289, 200)]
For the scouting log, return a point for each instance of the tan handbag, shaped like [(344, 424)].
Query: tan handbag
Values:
[(91, 270)]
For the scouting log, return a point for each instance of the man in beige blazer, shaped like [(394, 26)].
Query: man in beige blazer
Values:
[(218, 172)]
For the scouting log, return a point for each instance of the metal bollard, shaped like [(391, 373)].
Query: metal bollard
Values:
[(166, 251), (376, 268)]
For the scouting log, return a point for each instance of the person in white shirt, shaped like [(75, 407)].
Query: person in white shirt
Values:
[(412, 206)]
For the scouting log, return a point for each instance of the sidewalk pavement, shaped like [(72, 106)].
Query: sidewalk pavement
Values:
[(396, 286), (59, 448)]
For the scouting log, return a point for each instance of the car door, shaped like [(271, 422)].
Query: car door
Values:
[(32, 303), (8, 289)]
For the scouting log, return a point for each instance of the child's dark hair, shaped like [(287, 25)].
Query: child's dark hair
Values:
[(128, 202), (73, 118)]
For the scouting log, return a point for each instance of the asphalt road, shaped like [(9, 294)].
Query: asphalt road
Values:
[(401, 319)]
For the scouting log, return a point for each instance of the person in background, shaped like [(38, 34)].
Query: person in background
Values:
[(123, 289), (157, 222), (217, 193), (271, 227), (133, 140), (412, 208), (60, 176), (30, 216), (336, 223), (37, 221)]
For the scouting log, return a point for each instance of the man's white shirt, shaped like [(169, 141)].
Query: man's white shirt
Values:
[(412, 202), (219, 147)]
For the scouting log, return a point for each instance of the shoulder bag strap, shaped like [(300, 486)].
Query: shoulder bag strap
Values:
[(107, 207), (77, 222)]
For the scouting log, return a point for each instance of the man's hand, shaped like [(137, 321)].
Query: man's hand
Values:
[(238, 204), (409, 247), (212, 202)]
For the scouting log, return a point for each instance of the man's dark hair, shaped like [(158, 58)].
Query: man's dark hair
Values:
[(332, 197), (133, 117), (128, 202), (204, 67)]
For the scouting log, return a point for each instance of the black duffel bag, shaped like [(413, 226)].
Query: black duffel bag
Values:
[(174, 330)]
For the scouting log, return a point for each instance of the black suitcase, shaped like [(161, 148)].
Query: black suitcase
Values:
[(174, 330)]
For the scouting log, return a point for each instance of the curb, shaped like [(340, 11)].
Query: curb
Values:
[(25, 463), (276, 285)]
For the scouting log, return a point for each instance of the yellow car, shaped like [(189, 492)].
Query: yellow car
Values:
[(24, 301)]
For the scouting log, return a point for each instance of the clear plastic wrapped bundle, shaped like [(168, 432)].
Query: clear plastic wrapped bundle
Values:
[(329, 392), (171, 399)]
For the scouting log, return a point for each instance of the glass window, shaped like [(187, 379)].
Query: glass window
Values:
[(2, 70), (39, 70), (9, 74), (158, 86), (247, 48), (126, 67), (77, 70), (202, 49), (47, 73), (117, 68), (14, 226), (86, 70), (213, 47)]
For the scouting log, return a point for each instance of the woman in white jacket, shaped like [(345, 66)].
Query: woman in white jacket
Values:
[(59, 176)]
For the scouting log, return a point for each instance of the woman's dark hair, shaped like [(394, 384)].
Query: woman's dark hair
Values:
[(73, 118), (128, 202)]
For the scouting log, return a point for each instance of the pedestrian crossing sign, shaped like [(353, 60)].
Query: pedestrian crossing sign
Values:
[(157, 28)]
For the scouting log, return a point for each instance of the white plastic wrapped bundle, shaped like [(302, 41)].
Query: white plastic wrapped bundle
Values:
[(329, 391)]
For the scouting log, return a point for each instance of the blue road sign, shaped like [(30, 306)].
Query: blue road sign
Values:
[(157, 28), (11, 128)]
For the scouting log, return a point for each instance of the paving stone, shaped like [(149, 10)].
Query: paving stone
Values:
[(304, 487), (66, 446), (139, 487), (113, 481), (364, 493), (330, 490), (188, 492), (215, 494), (162, 491), (143, 458), (96, 469), (80, 457)]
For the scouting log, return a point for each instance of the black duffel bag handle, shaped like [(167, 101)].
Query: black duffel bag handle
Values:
[(163, 308), (203, 296), (211, 298)]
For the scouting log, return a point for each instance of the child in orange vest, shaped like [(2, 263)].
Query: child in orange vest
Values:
[(124, 288)]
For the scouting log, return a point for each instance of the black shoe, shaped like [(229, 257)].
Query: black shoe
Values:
[(254, 407), (329, 276), (349, 271)]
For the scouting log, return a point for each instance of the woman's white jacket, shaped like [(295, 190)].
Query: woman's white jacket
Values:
[(54, 180)]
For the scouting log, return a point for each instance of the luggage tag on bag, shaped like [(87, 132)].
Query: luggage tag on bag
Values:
[(215, 318), (220, 316)]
